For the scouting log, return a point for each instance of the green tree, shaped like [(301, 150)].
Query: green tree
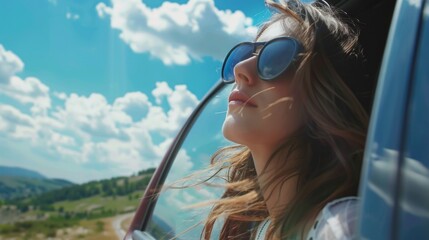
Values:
[(61, 209)]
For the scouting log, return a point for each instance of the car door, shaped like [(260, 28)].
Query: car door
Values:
[(395, 180)]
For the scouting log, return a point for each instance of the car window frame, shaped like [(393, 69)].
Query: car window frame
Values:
[(150, 197)]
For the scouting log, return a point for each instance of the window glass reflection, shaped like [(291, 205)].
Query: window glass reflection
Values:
[(174, 214)]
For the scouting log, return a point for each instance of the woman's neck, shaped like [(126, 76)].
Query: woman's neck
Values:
[(278, 190)]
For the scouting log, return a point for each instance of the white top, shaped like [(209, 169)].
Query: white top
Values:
[(336, 221)]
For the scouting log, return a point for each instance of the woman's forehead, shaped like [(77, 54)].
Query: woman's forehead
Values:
[(279, 28)]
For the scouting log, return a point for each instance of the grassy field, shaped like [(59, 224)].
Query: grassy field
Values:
[(106, 233), (85, 229), (88, 213), (117, 204), (96, 224)]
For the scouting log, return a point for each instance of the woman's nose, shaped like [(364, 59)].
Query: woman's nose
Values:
[(245, 71)]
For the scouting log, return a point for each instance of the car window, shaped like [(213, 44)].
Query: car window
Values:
[(174, 214), (414, 197)]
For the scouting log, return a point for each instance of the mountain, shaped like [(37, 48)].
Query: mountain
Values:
[(19, 172), (65, 207), (19, 182), (115, 186)]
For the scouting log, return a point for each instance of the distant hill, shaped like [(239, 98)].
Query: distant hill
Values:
[(19, 172), (44, 214), (19, 182), (116, 186)]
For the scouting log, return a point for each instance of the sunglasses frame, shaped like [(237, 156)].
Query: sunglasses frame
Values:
[(296, 50)]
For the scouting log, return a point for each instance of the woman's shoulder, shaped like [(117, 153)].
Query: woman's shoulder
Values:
[(337, 220)]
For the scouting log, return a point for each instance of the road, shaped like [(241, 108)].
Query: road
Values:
[(116, 224)]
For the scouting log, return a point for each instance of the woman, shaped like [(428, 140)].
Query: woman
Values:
[(300, 129)]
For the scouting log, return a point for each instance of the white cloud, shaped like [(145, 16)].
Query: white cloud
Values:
[(89, 129), (182, 166), (113, 151), (10, 64), (162, 90), (134, 104), (60, 95), (72, 16), (28, 91), (181, 102), (16, 124), (54, 2), (13, 115), (92, 117), (177, 33), (121, 132)]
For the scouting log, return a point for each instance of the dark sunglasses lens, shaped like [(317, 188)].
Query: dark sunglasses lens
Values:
[(237, 54), (276, 57)]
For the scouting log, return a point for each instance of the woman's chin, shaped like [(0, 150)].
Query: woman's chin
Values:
[(234, 130)]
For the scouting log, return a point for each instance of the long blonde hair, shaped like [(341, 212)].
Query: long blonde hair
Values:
[(329, 146)]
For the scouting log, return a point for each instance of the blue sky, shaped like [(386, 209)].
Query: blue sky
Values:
[(91, 89)]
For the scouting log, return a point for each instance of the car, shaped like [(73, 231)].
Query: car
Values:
[(394, 187)]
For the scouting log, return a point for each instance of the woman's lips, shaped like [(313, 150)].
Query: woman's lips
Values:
[(239, 98)]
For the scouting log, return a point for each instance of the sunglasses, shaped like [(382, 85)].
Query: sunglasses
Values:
[(274, 57)]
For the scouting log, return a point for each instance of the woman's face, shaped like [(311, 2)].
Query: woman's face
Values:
[(261, 114)]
